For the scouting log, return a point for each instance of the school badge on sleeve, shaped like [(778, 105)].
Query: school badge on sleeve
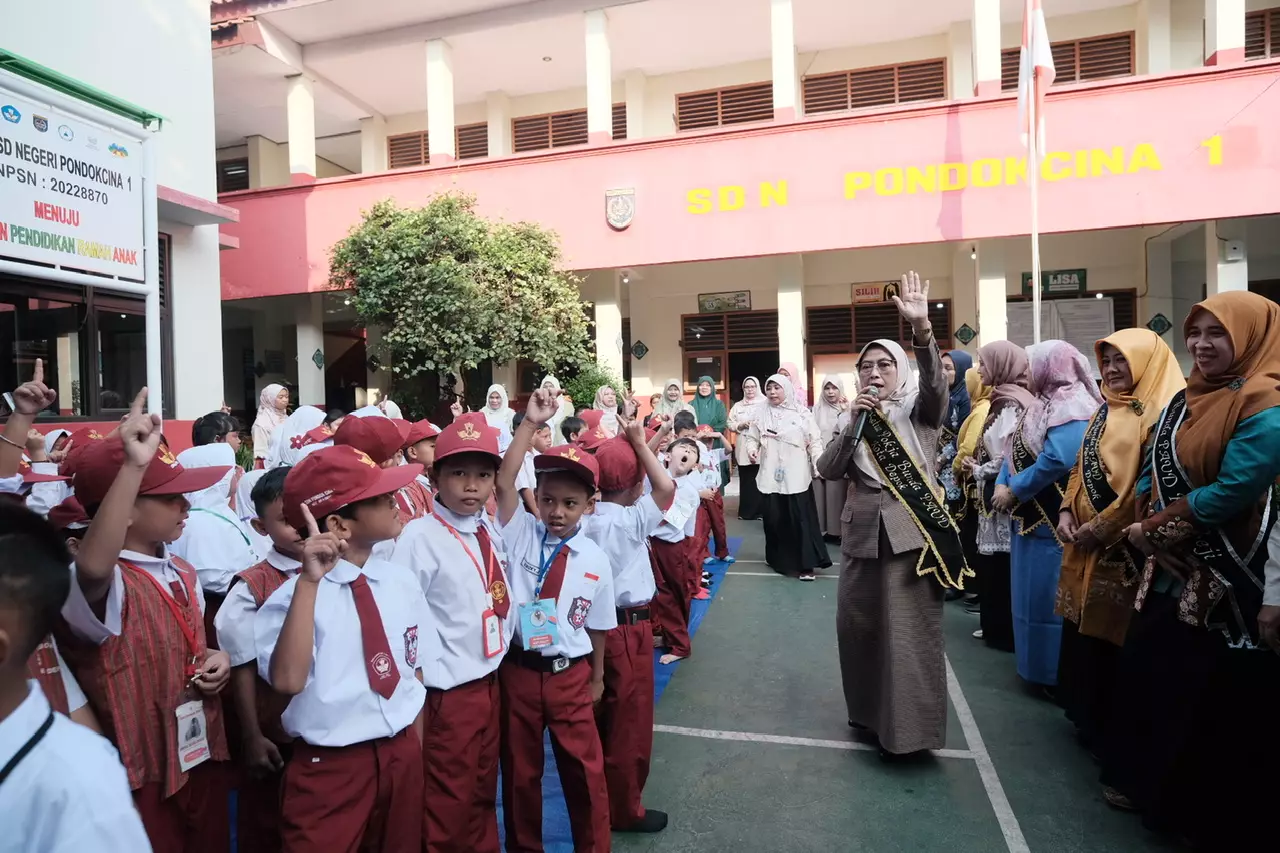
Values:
[(578, 611), (411, 646)]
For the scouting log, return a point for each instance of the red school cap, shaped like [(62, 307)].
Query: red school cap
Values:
[(68, 514), (571, 459), (380, 438), (29, 475), (468, 433), (101, 461), (75, 445), (334, 477), (421, 431), (591, 417), (619, 466)]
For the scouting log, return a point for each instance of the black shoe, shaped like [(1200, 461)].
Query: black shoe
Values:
[(653, 821), (952, 595), (858, 726)]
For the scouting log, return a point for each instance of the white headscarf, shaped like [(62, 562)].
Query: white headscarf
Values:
[(565, 410), (302, 421), (244, 494), (608, 420), (668, 407), (499, 418), (897, 407), (827, 414), (216, 497), (389, 408), (747, 410), (51, 438)]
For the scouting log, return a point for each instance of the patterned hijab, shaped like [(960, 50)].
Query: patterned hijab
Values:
[(1063, 384)]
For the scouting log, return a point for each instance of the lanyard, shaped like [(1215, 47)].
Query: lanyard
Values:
[(227, 520), (176, 609), (26, 748), (545, 564), (484, 579)]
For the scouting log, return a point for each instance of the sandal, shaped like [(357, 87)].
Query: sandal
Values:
[(1117, 800)]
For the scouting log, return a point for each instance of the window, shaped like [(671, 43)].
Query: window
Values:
[(1262, 34), (619, 121), (1074, 61), (871, 87), (92, 341), (472, 140), (717, 107), (838, 329), (554, 130), (408, 149), (233, 175)]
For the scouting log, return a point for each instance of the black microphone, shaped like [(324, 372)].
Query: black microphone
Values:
[(861, 422)]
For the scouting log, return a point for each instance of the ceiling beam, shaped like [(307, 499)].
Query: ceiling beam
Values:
[(284, 49), (520, 13)]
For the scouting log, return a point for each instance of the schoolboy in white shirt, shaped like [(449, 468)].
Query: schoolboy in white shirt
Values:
[(621, 525), (674, 566), (455, 553), (562, 595), (342, 638)]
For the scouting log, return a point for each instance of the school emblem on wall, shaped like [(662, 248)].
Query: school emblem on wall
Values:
[(411, 646), (578, 611), (619, 208)]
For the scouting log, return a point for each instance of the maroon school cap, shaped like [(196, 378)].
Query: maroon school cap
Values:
[(571, 459), (101, 461), (380, 438), (468, 433), (421, 431), (619, 466), (29, 476), (334, 477), (68, 514), (75, 445)]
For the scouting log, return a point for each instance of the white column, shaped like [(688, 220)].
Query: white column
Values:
[(790, 273), (964, 293), (1154, 37), (986, 47), (300, 106), (992, 318), (1222, 239), (310, 330), (1223, 32), (373, 144), (960, 61), (441, 147), (786, 81), (1158, 257), (636, 84), (608, 302), (498, 107), (599, 78)]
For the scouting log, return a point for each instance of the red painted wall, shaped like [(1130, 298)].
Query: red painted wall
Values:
[(1194, 145)]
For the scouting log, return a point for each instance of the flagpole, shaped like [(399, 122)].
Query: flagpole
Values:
[(1033, 164)]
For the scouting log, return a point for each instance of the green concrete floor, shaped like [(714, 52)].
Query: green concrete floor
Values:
[(765, 663)]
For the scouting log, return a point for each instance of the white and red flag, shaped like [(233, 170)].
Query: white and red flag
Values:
[(1035, 76)]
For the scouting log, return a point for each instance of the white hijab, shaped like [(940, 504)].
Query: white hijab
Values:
[(898, 407), (746, 411), (609, 418), (672, 408), (499, 418), (827, 414), (51, 438), (563, 411), (216, 497), (303, 420)]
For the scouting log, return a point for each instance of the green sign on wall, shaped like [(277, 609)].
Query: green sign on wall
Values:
[(1056, 282)]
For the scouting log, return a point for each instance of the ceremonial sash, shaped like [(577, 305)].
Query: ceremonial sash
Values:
[(1044, 507), (942, 555), (1098, 491), (983, 495), (1229, 597)]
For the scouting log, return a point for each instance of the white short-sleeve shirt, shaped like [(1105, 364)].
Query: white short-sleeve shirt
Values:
[(338, 707), (456, 593), (85, 623), (623, 533), (218, 544), (686, 491), (526, 477), (586, 598), (70, 794), (234, 622)]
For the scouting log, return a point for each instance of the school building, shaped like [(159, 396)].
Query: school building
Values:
[(737, 181)]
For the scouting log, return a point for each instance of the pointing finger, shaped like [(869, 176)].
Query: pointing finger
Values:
[(38, 376), (313, 529), (139, 402)]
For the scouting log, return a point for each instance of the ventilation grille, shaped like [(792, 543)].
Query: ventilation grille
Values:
[(1073, 61), (472, 140), (830, 326), (407, 149), (233, 175), (1262, 34), (872, 87), (619, 121), (718, 107), (555, 130), (752, 330), (703, 332)]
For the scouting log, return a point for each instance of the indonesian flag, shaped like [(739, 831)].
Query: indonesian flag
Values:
[(1035, 74)]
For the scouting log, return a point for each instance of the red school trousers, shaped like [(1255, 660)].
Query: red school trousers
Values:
[(460, 768), (625, 716), (670, 606), (196, 819), (367, 796), (714, 506), (560, 702)]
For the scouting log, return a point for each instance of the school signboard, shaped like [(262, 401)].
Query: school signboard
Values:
[(70, 191)]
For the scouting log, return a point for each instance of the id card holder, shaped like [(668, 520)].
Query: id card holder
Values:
[(193, 735), (492, 634), (538, 627)]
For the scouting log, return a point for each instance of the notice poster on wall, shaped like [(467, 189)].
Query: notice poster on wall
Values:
[(70, 191)]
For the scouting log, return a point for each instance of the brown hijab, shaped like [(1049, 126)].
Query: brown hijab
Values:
[(1009, 375), (1250, 385)]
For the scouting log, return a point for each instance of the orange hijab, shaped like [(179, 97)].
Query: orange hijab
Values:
[(1250, 385)]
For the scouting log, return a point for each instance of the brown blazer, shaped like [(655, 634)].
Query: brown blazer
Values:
[(868, 504)]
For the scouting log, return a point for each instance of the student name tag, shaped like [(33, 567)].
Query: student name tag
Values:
[(538, 627), (684, 506), (193, 735), (492, 634)]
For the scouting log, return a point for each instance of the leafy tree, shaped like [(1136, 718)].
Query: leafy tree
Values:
[(451, 290), (590, 378)]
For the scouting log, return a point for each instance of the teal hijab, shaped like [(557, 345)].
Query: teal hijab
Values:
[(709, 409)]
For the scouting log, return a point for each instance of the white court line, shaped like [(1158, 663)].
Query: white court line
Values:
[(1013, 838), (756, 737), (776, 575)]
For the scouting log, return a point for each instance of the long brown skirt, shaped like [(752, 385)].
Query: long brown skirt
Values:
[(889, 627), (830, 496)]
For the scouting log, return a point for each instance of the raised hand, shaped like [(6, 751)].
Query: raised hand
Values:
[(456, 409), (321, 551), (31, 398), (543, 406), (913, 303), (632, 429), (140, 432)]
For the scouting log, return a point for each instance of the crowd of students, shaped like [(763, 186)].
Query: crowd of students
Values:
[(356, 635)]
